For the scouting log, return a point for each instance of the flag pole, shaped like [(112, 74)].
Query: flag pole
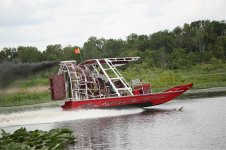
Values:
[(77, 51), (80, 57)]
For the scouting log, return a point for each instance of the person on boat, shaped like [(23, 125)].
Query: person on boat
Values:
[(101, 79), (111, 89)]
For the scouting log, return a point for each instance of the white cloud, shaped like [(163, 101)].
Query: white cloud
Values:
[(42, 22)]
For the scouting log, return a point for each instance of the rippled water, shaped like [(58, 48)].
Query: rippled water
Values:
[(200, 125)]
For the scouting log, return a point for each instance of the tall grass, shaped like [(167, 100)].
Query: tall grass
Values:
[(162, 79), (24, 98)]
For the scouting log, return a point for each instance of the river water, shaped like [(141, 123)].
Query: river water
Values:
[(200, 125)]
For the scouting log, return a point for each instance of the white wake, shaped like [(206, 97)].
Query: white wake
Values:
[(50, 115)]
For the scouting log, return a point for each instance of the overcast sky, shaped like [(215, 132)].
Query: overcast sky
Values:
[(71, 22)]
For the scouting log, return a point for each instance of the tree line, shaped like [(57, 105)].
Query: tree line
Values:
[(200, 42)]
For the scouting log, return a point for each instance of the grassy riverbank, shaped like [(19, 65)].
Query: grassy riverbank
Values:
[(35, 90), (24, 98), (162, 79)]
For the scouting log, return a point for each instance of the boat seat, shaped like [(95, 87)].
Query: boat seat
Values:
[(136, 82), (144, 88)]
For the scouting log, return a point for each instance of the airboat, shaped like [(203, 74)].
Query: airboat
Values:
[(97, 83)]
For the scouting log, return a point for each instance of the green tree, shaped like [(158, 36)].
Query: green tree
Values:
[(160, 58), (138, 42), (28, 54), (178, 37), (93, 48), (113, 48), (179, 59), (8, 54), (53, 53), (162, 39)]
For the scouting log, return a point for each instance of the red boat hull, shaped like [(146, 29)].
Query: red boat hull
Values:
[(142, 100)]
